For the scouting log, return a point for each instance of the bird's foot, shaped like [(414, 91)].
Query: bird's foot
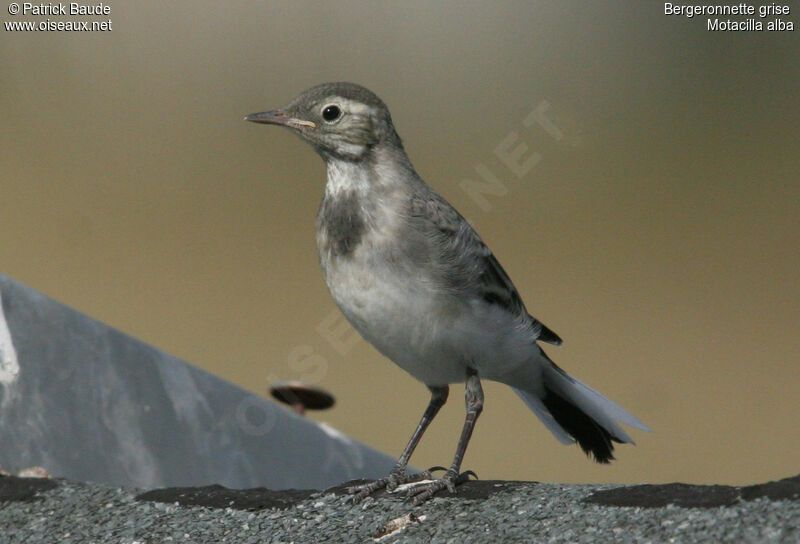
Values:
[(396, 477), (424, 491)]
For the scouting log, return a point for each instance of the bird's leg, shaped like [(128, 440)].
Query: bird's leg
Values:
[(398, 474), (473, 395)]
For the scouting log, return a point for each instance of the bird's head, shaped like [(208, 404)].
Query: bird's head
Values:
[(341, 121)]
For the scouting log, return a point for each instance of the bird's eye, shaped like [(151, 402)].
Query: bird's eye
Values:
[(331, 113)]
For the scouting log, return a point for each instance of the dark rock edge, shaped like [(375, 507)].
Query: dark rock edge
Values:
[(13, 488)]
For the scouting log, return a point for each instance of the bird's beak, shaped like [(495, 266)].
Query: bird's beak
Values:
[(279, 117)]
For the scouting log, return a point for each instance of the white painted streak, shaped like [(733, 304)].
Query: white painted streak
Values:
[(334, 433), (9, 366)]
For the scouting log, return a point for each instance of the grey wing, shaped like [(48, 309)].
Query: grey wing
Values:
[(498, 289), (468, 265)]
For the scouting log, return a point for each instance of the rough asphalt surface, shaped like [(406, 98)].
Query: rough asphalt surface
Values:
[(36, 511)]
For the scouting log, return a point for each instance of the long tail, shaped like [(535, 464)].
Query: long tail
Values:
[(575, 412)]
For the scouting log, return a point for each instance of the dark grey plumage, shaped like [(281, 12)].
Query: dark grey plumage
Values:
[(343, 223)]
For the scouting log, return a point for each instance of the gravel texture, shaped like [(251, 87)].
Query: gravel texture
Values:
[(42, 510)]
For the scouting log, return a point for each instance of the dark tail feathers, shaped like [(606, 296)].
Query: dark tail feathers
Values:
[(593, 439)]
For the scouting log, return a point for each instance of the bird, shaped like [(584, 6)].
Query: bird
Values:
[(419, 284)]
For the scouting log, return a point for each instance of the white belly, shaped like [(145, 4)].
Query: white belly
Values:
[(396, 319), (432, 335)]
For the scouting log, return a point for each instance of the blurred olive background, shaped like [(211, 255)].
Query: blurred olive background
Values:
[(658, 234)]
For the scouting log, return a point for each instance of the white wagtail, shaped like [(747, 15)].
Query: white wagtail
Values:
[(417, 282)]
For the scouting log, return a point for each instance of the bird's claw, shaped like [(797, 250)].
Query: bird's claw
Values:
[(397, 477), (418, 493), (422, 492)]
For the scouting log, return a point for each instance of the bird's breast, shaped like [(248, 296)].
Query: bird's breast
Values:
[(384, 293), (340, 225)]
